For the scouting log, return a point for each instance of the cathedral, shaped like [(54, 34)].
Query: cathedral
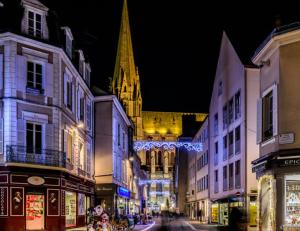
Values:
[(158, 162)]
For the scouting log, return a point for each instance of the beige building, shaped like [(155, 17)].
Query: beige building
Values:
[(232, 144), (278, 130)]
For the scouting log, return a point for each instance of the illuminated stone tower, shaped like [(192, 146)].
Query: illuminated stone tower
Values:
[(126, 81)]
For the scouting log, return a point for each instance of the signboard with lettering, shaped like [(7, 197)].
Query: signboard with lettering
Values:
[(286, 138), (123, 192), (289, 162)]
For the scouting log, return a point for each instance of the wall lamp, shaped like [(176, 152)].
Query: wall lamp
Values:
[(264, 63)]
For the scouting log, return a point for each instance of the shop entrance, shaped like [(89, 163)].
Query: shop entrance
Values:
[(35, 215)]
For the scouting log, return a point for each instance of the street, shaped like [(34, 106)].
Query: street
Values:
[(165, 224)]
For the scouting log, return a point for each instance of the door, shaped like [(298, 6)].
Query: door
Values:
[(35, 216)]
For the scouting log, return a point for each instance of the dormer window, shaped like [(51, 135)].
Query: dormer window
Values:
[(68, 41), (34, 24)]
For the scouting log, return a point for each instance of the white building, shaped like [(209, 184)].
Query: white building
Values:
[(232, 126), (46, 123)]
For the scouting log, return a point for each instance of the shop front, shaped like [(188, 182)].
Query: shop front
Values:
[(278, 192), (123, 197), (42, 201)]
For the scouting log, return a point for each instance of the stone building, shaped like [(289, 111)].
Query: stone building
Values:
[(46, 142)]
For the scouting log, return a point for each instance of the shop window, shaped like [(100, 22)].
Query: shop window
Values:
[(35, 210), (292, 198), (70, 208)]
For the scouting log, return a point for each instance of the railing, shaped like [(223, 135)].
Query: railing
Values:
[(47, 157)]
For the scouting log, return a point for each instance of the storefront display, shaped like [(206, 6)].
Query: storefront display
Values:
[(70, 208), (81, 204), (224, 213), (215, 213), (35, 219), (253, 211), (292, 198)]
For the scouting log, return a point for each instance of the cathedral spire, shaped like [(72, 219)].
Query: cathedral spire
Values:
[(126, 82)]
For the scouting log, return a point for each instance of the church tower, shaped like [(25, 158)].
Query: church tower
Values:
[(126, 81)]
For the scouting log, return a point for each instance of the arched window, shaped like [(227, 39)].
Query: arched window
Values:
[(148, 158)]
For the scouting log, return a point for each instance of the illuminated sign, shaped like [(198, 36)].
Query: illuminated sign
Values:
[(167, 145), (123, 192)]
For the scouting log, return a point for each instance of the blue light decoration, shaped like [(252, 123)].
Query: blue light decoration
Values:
[(167, 145), (123, 192), (160, 193), (162, 181)]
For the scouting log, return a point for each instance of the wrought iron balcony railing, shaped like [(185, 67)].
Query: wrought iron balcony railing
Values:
[(24, 154)]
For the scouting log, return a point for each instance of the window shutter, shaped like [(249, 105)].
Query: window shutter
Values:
[(65, 88), (1, 136), (49, 136), (259, 121), (275, 114), (21, 132)]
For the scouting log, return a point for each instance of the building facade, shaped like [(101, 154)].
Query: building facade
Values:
[(113, 172), (46, 123), (232, 144), (277, 167)]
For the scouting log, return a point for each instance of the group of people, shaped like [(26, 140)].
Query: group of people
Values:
[(98, 219)]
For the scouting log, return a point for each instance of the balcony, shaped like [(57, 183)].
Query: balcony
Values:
[(46, 157)]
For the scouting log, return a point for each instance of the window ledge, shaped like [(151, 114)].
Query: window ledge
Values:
[(34, 91), (269, 141)]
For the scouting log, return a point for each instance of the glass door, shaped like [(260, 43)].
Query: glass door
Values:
[(35, 207)]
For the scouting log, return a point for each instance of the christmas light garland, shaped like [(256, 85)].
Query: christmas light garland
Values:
[(167, 145)]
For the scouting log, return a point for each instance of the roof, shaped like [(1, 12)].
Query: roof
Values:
[(275, 32)]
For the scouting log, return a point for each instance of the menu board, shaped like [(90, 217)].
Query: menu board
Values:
[(292, 210), (34, 212)]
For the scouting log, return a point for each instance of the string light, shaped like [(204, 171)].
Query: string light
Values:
[(162, 181), (167, 145)]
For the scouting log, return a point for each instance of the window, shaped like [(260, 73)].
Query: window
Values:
[(119, 135), (238, 174), (225, 117), (230, 111), (216, 154), (82, 156), (148, 158), (231, 176), (237, 103), (230, 144), (237, 140), (216, 186), (69, 149), (225, 147), (123, 140), (33, 138), (216, 124), (81, 115), (69, 95), (34, 75), (268, 116), (88, 114), (225, 178), (34, 24), (220, 88)]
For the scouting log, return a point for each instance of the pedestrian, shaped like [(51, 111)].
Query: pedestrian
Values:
[(235, 219)]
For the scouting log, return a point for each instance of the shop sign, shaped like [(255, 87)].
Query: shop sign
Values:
[(289, 162), (35, 180), (123, 192), (105, 189), (287, 138), (259, 167)]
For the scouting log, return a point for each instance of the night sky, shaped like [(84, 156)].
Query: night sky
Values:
[(176, 43)]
